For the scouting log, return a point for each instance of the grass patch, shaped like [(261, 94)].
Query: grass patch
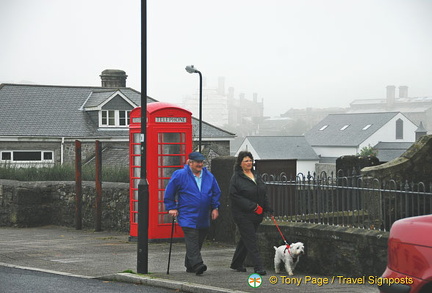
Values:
[(135, 273), (63, 173)]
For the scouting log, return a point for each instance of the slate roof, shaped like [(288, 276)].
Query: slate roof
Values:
[(353, 135), (282, 147), (388, 151), (51, 111), (58, 111), (209, 131), (97, 98)]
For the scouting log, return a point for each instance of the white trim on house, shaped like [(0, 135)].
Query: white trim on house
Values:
[(116, 119), (34, 158), (100, 106)]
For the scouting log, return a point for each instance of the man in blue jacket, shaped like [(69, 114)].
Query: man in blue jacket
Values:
[(197, 193)]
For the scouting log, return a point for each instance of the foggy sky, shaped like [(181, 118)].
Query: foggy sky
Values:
[(292, 53)]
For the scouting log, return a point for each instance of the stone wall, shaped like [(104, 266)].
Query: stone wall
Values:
[(415, 165), (27, 204), (329, 250)]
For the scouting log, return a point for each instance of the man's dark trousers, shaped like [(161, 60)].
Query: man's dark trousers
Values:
[(194, 239)]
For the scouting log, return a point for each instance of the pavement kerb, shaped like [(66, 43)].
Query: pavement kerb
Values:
[(169, 284), (45, 271), (139, 279)]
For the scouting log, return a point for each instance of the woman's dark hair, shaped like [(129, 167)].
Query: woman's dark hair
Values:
[(240, 158)]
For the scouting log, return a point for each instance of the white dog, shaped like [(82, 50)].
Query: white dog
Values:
[(289, 255)]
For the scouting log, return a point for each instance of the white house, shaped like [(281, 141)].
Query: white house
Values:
[(346, 134), (276, 154)]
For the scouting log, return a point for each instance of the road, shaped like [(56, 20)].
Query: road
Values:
[(13, 280)]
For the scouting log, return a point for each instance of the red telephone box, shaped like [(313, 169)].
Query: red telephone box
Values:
[(169, 141)]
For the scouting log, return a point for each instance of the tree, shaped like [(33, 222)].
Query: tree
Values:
[(368, 151)]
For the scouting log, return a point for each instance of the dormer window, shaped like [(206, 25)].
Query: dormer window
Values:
[(114, 118)]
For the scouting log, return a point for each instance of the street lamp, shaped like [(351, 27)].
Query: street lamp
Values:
[(143, 187), (192, 69)]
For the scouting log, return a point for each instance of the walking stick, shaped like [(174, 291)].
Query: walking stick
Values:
[(172, 235)]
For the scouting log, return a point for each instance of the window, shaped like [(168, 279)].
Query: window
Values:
[(367, 126), (399, 129), (6, 156), (47, 155), (324, 127), (344, 127), (27, 158), (114, 118), (124, 118)]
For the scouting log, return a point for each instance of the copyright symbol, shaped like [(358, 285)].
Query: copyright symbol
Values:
[(273, 279)]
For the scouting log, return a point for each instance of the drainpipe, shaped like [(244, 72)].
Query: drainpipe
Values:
[(62, 150)]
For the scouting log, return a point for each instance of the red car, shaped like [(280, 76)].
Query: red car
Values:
[(409, 257)]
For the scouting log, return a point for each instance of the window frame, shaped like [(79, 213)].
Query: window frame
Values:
[(114, 118), (13, 157)]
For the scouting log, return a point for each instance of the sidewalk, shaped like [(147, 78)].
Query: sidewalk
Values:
[(105, 255)]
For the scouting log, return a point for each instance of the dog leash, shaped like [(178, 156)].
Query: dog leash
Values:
[(287, 246), (286, 243), (280, 232)]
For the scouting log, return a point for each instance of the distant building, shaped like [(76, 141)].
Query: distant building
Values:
[(222, 109), (311, 116), (295, 121), (417, 109), (277, 126)]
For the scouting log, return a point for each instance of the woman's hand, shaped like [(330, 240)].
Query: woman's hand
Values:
[(258, 210)]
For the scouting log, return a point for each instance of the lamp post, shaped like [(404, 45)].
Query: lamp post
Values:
[(143, 187), (192, 69)]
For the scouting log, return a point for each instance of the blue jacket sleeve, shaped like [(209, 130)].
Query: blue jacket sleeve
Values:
[(216, 194), (170, 193)]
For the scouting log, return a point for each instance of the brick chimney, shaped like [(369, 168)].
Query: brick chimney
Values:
[(420, 131), (403, 92), (255, 97), (391, 95), (221, 86), (113, 78)]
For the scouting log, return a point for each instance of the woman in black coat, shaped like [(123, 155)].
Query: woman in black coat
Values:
[(248, 204)]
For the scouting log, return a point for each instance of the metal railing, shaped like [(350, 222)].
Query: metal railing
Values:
[(350, 201)]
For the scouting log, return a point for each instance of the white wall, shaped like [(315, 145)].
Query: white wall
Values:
[(335, 151), (388, 132), (306, 166)]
